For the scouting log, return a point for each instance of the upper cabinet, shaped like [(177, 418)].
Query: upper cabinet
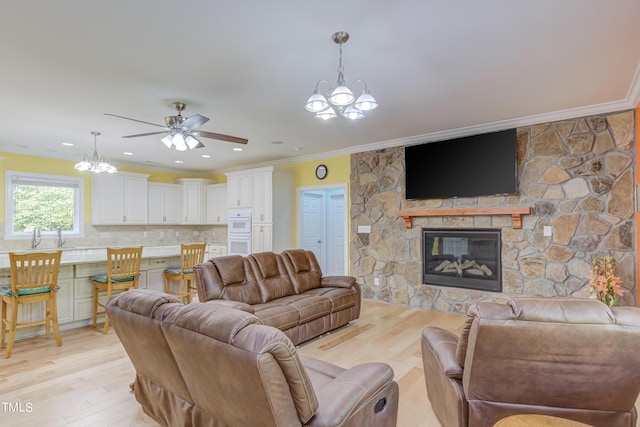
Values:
[(216, 203), (239, 190), (193, 199), (164, 203), (119, 198)]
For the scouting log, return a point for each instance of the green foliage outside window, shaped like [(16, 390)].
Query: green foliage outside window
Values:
[(47, 208)]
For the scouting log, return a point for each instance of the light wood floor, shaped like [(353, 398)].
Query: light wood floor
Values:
[(86, 381)]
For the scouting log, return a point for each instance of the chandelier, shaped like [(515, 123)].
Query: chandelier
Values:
[(181, 141), (341, 100), (95, 163)]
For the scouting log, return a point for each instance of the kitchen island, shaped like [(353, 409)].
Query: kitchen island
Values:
[(75, 297)]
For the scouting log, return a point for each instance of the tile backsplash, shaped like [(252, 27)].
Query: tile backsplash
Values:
[(125, 235)]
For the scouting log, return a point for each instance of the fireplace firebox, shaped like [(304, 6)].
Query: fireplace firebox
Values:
[(462, 258)]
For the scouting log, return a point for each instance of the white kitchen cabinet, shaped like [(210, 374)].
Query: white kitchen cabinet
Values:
[(164, 203), (262, 238), (216, 204), (263, 196), (271, 204), (193, 199), (119, 198), (239, 190)]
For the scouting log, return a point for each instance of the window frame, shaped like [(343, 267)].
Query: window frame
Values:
[(45, 179)]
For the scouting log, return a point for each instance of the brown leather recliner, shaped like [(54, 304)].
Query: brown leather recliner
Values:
[(565, 357), (207, 364)]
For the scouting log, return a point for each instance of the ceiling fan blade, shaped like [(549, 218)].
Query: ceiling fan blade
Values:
[(135, 120), (194, 122), (221, 137), (145, 134)]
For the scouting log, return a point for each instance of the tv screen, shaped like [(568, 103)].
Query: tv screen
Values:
[(479, 165)]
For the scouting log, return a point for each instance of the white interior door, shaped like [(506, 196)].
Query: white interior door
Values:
[(335, 235), (322, 226), (313, 224)]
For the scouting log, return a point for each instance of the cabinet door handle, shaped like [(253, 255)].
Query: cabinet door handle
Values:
[(261, 217), (238, 202), (218, 218), (124, 218)]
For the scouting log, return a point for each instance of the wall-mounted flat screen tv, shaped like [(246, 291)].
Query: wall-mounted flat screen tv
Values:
[(478, 165)]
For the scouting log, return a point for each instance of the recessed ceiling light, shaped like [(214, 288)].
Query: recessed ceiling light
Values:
[(237, 149), (177, 161), (206, 156), (276, 142), (298, 148), (67, 144), (127, 153)]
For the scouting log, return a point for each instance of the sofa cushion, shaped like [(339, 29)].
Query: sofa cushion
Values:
[(563, 310), (271, 276), (303, 269), (280, 316), (229, 278), (340, 298)]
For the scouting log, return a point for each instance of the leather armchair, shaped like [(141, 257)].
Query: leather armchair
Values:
[(566, 357), (209, 364)]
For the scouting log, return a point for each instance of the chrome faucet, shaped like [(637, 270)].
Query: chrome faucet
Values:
[(37, 238), (60, 241)]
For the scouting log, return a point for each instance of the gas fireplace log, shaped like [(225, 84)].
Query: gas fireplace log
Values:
[(469, 266)]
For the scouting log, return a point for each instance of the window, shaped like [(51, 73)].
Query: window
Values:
[(48, 202)]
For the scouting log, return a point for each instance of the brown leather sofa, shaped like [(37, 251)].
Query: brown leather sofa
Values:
[(286, 291), (565, 357), (205, 364)]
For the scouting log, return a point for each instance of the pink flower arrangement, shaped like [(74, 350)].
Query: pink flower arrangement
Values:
[(604, 283)]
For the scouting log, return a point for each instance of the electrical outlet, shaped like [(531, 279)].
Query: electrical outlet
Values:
[(195, 233), (145, 234), (376, 281), (177, 234)]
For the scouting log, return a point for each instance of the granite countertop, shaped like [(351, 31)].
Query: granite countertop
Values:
[(82, 255)]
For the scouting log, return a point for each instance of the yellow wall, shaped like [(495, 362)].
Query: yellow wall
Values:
[(304, 175), (46, 165)]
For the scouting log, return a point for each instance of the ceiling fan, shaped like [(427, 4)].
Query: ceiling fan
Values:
[(182, 131)]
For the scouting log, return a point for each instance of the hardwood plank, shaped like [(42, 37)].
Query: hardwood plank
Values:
[(86, 381)]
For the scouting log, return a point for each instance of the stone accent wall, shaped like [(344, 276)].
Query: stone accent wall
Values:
[(576, 175)]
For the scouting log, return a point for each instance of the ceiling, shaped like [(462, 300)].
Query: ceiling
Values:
[(438, 69)]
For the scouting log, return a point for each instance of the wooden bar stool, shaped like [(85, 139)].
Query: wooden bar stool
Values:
[(190, 255), (34, 279), (123, 270)]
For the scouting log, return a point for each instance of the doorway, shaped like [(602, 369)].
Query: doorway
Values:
[(322, 226)]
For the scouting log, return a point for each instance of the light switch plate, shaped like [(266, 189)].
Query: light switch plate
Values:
[(546, 230), (364, 229)]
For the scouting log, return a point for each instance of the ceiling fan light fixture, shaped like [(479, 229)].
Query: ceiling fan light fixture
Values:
[(342, 96), (95, 163), (178, 142), (167, 140), (191, 142)]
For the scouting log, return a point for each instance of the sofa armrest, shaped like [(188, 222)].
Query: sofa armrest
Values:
[(443, 345), (357, 396), (233, 304), (337, 281)]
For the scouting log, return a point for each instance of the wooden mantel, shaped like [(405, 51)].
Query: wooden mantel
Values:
[(516, 213)]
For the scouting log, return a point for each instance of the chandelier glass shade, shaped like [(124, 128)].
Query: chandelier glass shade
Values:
[(341, 100), (181, 141), (95, 163)]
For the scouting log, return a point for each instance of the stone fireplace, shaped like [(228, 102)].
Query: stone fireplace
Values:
[(462, 258), (577, 178)]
